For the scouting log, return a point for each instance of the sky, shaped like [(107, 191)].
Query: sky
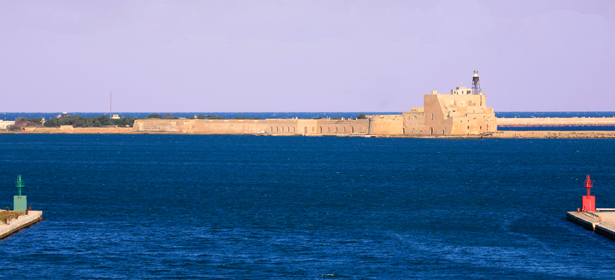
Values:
[(303, 56)]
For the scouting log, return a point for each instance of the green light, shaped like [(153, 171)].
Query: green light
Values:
[(19, 184)]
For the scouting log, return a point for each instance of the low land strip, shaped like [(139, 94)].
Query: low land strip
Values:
[(555, 122), (498, 134)]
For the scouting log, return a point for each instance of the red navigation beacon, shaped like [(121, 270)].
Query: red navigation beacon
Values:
[(589, 202)]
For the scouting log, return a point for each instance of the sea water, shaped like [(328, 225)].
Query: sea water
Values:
[(244, 207)]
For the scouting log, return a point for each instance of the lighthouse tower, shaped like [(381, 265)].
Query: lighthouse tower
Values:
[(589, 201), (20, 202), (476, 83)]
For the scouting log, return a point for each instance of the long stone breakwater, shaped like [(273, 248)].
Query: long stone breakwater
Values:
[(555, 122)]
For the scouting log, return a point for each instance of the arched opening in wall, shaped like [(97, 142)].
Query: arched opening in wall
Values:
[(271, 128), (352, 129), (282, 129), (305, 129), (288, 129), (344, 129), (328, 129), (480, 127), (442, 131), (431, 130), (468, 128), (403, 131), (294, 129), (321, 130), (336, 129), (432, 116), (277, 129)]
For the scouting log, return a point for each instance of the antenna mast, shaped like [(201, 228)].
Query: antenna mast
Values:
[(476, 84), (110, 104)]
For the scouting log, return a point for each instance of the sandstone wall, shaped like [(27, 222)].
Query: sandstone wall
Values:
[(281, 126), (474, 124), (335, 127), (458, 115), (386, 124), (413, 122), (268, 126), (435, 115)]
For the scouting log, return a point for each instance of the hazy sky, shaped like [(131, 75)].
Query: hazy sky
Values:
[(270, 56)]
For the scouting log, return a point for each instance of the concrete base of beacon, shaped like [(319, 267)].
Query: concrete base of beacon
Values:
[(19, 223), (600, 222)]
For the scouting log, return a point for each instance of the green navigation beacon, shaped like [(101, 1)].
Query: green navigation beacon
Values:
[(20, 203)]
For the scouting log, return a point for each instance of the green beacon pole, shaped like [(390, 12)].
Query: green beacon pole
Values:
[(19, 184), (20, 203)]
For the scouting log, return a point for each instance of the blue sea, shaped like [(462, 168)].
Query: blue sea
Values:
[(250, 207)]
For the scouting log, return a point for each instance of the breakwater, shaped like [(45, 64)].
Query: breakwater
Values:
[(555, 122), (23, 221), (600, 222)]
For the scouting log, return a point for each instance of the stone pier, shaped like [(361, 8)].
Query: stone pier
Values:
[(602, 222), (19, 223)]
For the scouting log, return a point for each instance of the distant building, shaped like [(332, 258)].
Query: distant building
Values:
[(115, 117), (460, 113), (463, 112), (6, 124)]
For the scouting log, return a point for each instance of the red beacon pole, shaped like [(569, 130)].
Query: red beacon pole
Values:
[(589, 202)]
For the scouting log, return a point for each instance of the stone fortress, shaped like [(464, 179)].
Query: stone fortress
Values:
[(463, 112)]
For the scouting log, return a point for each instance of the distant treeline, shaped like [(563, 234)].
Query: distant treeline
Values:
[(78, 121), (101, 121)]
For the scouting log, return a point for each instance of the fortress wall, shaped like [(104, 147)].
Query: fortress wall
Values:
[(435, 108), (344, 127), (474, 124), (386, 124), (307, 126), (463, 104), (242, 126), (156, 125), (270, 126), (234, 126), (414, 121), (458, 115)]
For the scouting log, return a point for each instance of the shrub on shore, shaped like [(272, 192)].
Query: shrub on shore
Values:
[(100, 121)]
